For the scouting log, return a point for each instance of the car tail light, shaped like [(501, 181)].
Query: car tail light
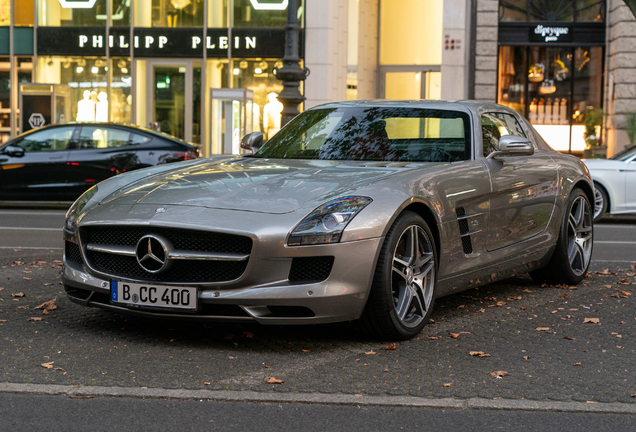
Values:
[(191, 154)]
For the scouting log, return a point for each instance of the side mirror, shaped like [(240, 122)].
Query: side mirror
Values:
[(252, 141), (14, 151), (513, 145)]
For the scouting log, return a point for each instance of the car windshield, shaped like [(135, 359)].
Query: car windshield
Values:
[(626, 154), (373, 134)]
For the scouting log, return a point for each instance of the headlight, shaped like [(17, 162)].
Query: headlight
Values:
[(76, 209), (326, 223)]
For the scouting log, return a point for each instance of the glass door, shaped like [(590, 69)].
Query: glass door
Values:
[(170, 98)]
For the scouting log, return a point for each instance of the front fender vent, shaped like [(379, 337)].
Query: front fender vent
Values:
[(464, 231)]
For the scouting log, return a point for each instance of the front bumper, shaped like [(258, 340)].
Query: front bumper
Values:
[(264, 293)]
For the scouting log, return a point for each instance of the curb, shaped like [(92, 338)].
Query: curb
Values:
[(319, 398)]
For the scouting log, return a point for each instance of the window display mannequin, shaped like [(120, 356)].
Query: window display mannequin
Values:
[(256, 119), (86, 108), (272, 115), (101, 108)]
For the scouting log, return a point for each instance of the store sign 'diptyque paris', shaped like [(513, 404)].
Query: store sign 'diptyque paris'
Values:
[(555, 34), (164, 42)]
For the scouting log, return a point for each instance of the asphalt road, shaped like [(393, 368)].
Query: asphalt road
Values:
[(569, 362)]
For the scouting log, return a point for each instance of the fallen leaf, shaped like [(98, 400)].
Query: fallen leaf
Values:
[(569, 338), (206, 383), (619, 336), (370, 352), (18, 295), (523, 308), (446, 385), (26, 278), (478, 354), (48, 306), (272, 380), (48, 365), (577, 364), (454, 335), (526, 290), (591, 320), (566, 295), (461, 306), (391, 347), (543, 329), (434, 337), (624, 281), (498, 374), (306, 350), (625, 293), (248, 335), (267, 367), (35, 319), (553, 312), (228, 337), (526, 357), (432, 321)]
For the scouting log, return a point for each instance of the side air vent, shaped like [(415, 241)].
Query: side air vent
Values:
[(464, 232)]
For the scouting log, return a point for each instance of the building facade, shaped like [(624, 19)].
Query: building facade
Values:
[(156, 62)]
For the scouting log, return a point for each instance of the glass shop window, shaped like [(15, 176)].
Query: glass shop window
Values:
[(52, 14)]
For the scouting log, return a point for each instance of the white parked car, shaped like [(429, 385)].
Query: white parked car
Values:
[(614, 183)]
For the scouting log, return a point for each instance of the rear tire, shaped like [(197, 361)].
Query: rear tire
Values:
[(600, 202), (402, 295), (573, 251)]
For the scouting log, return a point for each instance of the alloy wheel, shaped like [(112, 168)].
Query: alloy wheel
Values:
[(413, 276), (580, 236), (598, 203)]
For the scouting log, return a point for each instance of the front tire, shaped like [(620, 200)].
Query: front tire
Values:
[(403, 291), (600, 202), (573, 251)]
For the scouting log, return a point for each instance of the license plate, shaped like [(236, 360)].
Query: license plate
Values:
[(159, 296)]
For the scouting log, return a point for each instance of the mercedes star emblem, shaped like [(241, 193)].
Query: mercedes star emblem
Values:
[(152, 253)]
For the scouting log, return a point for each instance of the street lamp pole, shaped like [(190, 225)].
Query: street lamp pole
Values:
[(291, 74)]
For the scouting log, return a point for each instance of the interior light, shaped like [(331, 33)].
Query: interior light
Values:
[(94, 69), (258, 70), (236, 71), (124, 70), (79, 69)]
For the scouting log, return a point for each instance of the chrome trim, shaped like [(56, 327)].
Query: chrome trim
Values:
[(469, 233), (196, 255), (469, 216), (117, 250)]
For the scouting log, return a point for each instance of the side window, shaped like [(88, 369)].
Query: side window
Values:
[(48, 140), (138, 139), (496, 125), (92, 137)]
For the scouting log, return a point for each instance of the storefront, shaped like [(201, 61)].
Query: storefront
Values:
[(154, 62), (551, 68)]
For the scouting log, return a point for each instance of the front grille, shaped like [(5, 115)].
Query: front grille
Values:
[(311, 269), (185, 271), (183, 239), (72, 253), (193, 271)]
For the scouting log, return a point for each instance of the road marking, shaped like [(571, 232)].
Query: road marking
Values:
[(31, 247), (31, 229), (34, 213), (614, 261), (612, 242), (321, 398)]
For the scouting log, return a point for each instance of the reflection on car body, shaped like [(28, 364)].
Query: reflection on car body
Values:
[(360, 211)]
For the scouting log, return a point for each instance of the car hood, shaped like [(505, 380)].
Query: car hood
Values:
[(603, 164), (258, 185)]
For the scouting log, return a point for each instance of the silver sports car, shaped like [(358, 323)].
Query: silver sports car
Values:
[(360, 211)]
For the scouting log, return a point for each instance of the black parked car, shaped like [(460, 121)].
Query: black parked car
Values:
[(60, 162)]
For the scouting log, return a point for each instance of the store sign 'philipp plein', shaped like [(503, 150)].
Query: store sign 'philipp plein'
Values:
[(222, 42)]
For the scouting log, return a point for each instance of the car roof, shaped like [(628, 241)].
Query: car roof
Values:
[(456, 105), (115, 125)]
